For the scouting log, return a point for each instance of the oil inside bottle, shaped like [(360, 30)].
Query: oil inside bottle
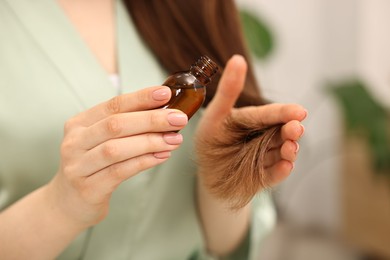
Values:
[(189, 87)]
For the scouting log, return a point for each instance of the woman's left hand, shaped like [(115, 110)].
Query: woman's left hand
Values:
[(279, 160)]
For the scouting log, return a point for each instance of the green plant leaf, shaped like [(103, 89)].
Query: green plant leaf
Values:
[(365, 116), (257, 34)]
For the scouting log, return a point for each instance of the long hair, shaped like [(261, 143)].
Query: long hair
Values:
[(179, 31)]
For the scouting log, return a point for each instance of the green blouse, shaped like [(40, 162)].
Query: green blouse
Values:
[(47, 75)]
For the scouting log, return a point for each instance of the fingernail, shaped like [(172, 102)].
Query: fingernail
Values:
[(238, 56), (173, 138), (302, 114), (162, 155), (306, 113), (160, 94), (177, 119), (303, 130), (296, 147)]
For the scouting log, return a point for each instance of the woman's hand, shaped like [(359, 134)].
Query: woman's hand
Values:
[(106, 145), (214, 128)]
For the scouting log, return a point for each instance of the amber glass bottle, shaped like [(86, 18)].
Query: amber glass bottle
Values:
[(189, 87)]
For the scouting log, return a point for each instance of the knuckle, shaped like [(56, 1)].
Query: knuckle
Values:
[(109, 150), (114, 126), (69, 125), (284, 155), (67, 145), (68, 171), (141, 163), (114, 105), (115, 172), (76, 183), (153, 140), (154, 118)]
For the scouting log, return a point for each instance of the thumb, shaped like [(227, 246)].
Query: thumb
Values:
[(229, 88)]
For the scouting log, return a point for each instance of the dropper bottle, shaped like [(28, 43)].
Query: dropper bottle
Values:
[(189, 87)]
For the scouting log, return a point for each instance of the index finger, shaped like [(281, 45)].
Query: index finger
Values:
[(145, 99), (272, 114)]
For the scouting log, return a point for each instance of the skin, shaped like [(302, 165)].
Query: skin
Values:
[(118, 147), (224, 229)]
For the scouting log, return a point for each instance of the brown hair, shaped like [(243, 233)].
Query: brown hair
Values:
[(178, 32)]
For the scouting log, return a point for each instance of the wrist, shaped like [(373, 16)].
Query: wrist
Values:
[(61, 209), (60, 213), (224, 227)]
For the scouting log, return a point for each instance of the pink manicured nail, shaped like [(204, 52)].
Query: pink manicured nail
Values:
[(162, 155), (306, 113), (302, 114), (173, 138), (160, 94), (303, 130), (296, 147), (177, 119)]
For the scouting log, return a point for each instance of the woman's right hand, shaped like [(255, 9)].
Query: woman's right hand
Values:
[(106, 145)]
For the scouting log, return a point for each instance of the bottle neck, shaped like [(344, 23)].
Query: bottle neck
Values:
[(203, 69)]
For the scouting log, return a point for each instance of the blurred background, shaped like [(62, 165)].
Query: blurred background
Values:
[(333, 57)]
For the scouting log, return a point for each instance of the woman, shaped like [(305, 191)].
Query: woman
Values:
[(113, 186)]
